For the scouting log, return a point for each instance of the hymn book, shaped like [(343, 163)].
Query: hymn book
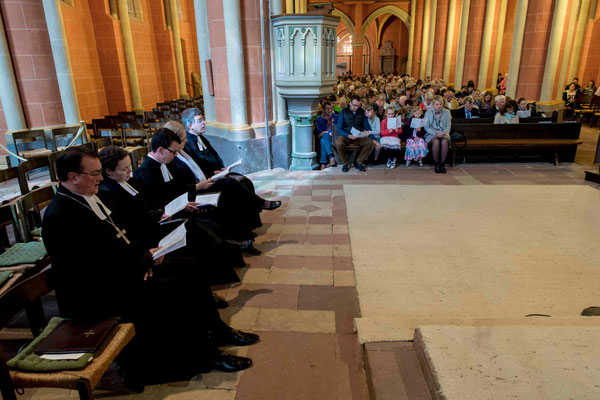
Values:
[(73, 337), (173, 241), (176, 205), (210, 199), (226, 171), (417, 123), (394, 123)]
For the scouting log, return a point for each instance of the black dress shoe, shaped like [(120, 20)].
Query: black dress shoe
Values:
[(233, 337), (229, 363), (252, 251), (361, 168), (345, 168), (221, 302), (273, 205), (437, 168)]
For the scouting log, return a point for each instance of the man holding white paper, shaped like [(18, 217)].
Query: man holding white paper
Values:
[(350, 126)]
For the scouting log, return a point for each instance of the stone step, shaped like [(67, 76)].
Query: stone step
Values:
[(401, 329), (509, 362)]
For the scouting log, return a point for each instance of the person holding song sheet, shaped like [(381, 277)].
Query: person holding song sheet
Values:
[(416, 148), (391, 128), (127, 198), (99, 272), (351, 124)]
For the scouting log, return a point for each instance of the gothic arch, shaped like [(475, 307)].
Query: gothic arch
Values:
[(397, 11), (345, 19)]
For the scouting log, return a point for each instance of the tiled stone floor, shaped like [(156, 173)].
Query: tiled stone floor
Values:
[(300, 294)]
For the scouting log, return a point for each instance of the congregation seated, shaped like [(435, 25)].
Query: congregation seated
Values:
[(467, 111), (507, 114), (352, 117), (102, 272)]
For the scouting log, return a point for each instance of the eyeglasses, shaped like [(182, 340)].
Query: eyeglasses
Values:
[(171, 151), (94, 174)]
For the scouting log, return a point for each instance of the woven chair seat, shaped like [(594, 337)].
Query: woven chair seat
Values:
[(112, 346), (35, 153), (23, 253)]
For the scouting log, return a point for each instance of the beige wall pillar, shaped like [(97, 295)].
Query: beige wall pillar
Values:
[(134, 84), (499, 41), (9, 91), (411, 36), (462, 43), (425, 39), (577, 43), (431, 37), (556, 34), (449, 38), (177, 46), (564, 67), (486, 44), (516, 48)]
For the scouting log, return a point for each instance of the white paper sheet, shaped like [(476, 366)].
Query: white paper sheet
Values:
[(67, 356), (524, 114), (227, 170), (208, 199), (394, 123), (173, 241), (417, 123), (176, 205), (355, 132)]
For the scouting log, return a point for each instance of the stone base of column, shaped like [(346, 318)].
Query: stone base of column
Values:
[(303, 161), (249, 145)]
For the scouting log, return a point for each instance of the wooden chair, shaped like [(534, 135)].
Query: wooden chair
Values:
[(137, 157), (35, 163), (69, 133), (30, 208), (13, 173), (26, 295), (134, 135), (102, 142), (25, 137)]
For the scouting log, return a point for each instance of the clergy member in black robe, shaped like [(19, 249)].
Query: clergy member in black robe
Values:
[(99, 274)]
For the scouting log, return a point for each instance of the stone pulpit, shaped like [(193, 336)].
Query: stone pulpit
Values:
[(388, 58), (305, 71)]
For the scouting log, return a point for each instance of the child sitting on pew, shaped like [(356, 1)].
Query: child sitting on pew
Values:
[(390, 138), (416, 148)]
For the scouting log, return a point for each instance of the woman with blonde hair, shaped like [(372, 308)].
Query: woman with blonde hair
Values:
[(437, 132)]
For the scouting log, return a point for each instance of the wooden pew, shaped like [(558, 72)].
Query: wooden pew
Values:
[(561, 139)]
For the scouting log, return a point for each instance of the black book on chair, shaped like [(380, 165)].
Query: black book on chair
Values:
[(75, 337)]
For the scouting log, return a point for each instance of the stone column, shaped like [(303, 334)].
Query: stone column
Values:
[(177, 46), (358, 41), (562, 80), (134, 85), (486, 43), (9, 92), (499, 40), (279, 105), (425, 39), (431, 37), (556, 34), (62, 63), (449, 39), (411, 36), (235, 62), (516, 48), (462, 43), (577, 43), (203, 39)]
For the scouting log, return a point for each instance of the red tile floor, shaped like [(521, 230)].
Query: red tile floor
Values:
[(300, 293)]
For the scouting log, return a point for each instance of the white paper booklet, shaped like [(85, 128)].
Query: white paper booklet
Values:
[(173, 241), (69, 356), (227, 170), (355, 132), (394, 123), (176, 205), (524, 114), (210, 199), (417, 123)]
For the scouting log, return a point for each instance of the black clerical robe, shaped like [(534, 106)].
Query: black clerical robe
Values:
[(99, 275)]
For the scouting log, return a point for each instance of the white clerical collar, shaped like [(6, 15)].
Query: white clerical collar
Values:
[(183, 156), (200, 143), (95, 203), (128, 188), (163, 168)]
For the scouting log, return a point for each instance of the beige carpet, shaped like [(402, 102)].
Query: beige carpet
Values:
[(423, 253)]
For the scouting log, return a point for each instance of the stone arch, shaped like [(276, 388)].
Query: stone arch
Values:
[(394, 10), (345, 19)]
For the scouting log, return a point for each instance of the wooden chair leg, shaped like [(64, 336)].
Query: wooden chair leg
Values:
[(556, 157), (85, 390)]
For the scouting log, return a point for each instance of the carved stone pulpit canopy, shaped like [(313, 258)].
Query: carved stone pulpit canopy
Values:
[(388, 49)]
